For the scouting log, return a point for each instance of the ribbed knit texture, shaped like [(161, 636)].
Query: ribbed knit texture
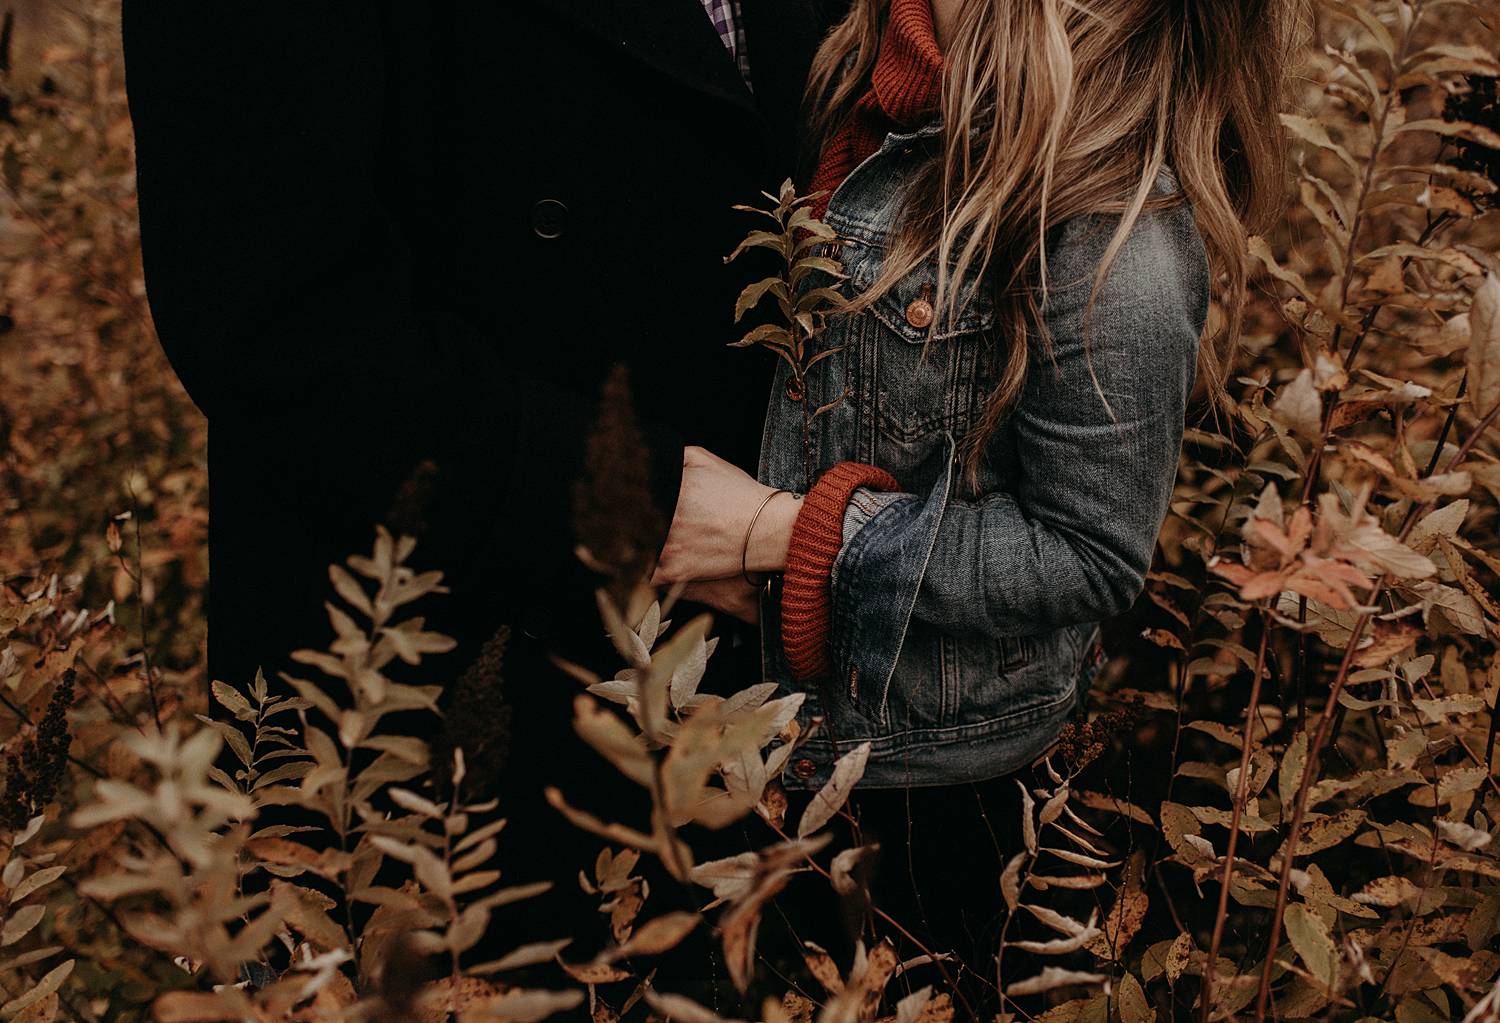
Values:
[(817, 536), (905, 86)]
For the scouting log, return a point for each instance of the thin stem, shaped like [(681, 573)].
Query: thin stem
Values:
[(1448, 421), (455, 974), (1242, 792), (144, 620)]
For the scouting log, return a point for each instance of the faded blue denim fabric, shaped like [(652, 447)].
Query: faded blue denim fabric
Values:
[(965, 618)]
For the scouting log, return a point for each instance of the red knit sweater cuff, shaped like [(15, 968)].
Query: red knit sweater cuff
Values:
[(817, 537)]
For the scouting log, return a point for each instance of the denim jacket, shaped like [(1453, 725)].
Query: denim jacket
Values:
[(965, 618)]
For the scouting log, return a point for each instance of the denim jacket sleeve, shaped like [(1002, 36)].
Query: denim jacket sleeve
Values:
[(1070, 539)]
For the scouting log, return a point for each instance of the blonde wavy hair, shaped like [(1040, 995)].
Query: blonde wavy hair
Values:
[(1056, 108)]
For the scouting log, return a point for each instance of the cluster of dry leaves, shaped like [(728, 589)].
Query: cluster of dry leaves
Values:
[(1298, 822)]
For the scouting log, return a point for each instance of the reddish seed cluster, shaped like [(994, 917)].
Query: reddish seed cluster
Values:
[(1080, 744), (34, 771)]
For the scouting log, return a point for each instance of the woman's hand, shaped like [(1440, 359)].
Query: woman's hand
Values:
[(733, 597), (714, 508)]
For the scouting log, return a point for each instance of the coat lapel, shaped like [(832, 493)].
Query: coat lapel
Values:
[(673, 36), (781, 36)]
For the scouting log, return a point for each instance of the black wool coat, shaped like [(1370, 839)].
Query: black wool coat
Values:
[(379, 233), (383, 233)]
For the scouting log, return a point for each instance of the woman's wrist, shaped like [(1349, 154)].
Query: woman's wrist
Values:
[(768, 541)]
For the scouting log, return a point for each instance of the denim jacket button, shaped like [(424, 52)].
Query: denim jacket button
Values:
[(804, 769), (919, 313)]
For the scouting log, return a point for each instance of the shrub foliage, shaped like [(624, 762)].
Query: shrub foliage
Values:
[(1283, 802)]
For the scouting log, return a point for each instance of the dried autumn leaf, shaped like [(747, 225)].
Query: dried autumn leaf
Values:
[(1310, 936), (194, 1007), (47, 985), (1010, 880), (524, 955), (1076, 935), (680, 1009), (1298, 407), (1326, 832), (727, 877), (594, 972), (1052, 978), (20, 922), (655, 936), (1179, 955), (527, 1006), (821, 965), (921, 1006), (847, 771), (1387, 891), (841, 869), (1125, 917), (1028, 820), (1289, 777), (1113, 804), (740, 923), (1133, 1006)]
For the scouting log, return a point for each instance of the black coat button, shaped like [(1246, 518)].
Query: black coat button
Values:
[(549, 218)]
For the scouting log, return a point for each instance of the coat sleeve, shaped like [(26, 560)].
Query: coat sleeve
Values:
[(283, 289), (1099, 430)]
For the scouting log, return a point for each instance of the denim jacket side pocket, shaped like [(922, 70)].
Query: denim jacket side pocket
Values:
[(875, 581)]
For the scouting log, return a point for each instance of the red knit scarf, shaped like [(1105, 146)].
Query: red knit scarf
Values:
[(905, 86)]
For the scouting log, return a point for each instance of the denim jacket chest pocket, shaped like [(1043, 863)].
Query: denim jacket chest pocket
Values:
[(924, 375)]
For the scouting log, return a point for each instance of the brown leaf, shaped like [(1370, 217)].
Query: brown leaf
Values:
[(307, 912), (1028, 819), (847, 771), (1326, 832), (821, 965), (1125, 916), (1052, 978), (1179, 955), (1483, 358), (1310, 936), (655, 936), (1298, 406), (595, 972), (1113, 804), (1010, 880), (1133, 1006), (327, 863), (1385, 641), (193, 1007)]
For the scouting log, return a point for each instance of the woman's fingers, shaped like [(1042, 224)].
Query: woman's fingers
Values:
[(731, 596)]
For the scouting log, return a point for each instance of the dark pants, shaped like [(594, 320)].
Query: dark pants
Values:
[(937, 873)]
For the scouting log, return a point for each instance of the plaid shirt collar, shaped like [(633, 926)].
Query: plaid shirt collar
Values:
[(725, 14)]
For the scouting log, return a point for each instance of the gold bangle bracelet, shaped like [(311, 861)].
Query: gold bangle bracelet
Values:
[(750, 531)]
